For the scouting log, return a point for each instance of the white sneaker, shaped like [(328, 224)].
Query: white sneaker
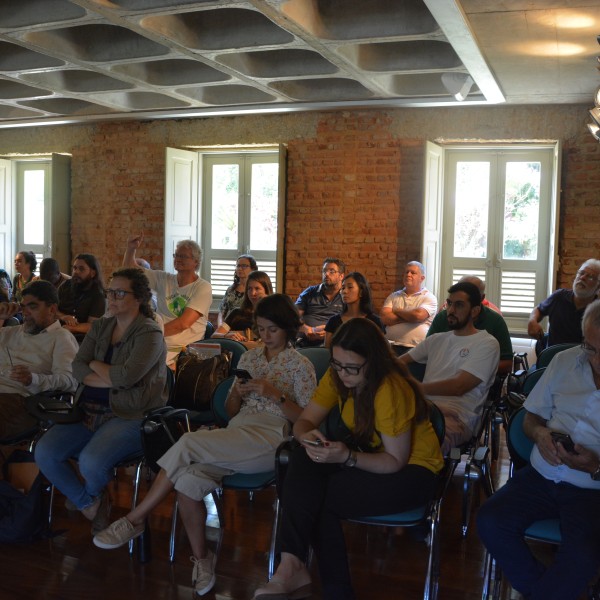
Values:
[(203, 575), (118, 534)]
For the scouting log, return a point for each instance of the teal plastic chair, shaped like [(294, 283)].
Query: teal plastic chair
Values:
[(544, 530), (236, 349), (241, 482), (547, 354), (319, 357)]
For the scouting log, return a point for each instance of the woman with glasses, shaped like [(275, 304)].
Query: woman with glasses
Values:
[(183, 298), (122, 375), (357, 302), (239, 324), (234, 296), (261, 409), (387, 463)]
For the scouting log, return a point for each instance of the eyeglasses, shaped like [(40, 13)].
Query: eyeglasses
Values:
[(181, 256), (116, 294), (589, 350), (349, 369), (329, 271), (242, 266)]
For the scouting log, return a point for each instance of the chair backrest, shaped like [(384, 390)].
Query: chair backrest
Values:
[(519, 445), (417, 370), (531, 379), (234, 347), (319, 357), (218, 401), (437, 420), (170, 384), (547, 354), (210, 329)]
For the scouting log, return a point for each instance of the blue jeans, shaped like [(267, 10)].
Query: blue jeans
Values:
[(529, 497), (97, 453)]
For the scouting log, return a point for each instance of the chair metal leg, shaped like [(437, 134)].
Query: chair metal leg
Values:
[(274, 537), (173, 531), (136, 489), (467, 498)]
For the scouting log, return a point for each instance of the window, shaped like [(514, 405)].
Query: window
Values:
[(499, 212), (240, 214), (232, 203)]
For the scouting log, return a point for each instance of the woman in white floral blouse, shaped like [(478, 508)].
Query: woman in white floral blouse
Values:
[(261, 410)]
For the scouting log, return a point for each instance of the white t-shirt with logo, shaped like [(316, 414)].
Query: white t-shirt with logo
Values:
[(446, 354), (172, 300)]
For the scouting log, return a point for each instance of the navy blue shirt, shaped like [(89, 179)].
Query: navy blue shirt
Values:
[(563, 317), (316, 306)]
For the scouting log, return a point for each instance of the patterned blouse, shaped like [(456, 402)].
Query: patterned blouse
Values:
[(290, 372), (232, 299)]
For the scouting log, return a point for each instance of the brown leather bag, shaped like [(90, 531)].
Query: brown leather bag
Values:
[(196, 378)]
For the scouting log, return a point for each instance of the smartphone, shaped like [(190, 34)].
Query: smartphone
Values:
[(316, 442), (55, 405), (242, 374), (565, 440)]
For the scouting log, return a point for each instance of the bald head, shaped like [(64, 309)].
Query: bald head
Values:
[(475, 281)]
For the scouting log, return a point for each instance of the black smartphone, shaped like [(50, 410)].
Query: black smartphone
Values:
[(565, 440), (242, 374), (316, 442), (55, 405)]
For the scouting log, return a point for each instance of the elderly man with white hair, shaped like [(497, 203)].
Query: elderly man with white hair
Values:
[(564, 308), (183, 298), (562, 480)]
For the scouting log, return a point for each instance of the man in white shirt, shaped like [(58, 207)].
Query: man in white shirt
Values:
[(183, 299), (407, 313), (461, 365), (34, 357), (561, 482)]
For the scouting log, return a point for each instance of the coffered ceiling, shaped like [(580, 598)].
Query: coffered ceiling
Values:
[(82, 60)]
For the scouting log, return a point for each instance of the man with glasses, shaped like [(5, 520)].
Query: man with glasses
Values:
[(564, 309), (183, 298), (34, 357), (318, 303), (562, 480), (461, 365)]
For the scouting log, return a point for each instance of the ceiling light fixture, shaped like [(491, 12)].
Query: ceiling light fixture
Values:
[(458, 84)]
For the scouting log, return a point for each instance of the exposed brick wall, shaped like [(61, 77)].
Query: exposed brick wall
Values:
[(355, 179), (579, 232), (344, 200), (117, 189)]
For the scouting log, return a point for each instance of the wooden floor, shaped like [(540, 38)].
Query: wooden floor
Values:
[(384, 566)]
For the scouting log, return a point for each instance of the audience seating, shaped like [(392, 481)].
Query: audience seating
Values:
[(236, 349), (544, 530), (319, 357), (548, 354), (242, 482), (427, 516)]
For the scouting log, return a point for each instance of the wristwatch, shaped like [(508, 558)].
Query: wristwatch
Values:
[(596, 474), (351, 460)]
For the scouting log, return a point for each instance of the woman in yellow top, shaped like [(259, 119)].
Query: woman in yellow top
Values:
[(388, 462)]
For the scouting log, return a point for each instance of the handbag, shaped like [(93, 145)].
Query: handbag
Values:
[(160, 430), (196, 378)]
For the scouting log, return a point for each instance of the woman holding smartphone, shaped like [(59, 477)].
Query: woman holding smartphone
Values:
[(239, 323), (388, 462), (261, 409)]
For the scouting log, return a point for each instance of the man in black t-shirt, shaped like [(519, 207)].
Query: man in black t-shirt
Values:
[(81, 299)]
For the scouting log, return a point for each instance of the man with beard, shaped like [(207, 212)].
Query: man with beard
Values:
[(81, 299), (34, 357), (564, 309), (461, 365), (318, 303)]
